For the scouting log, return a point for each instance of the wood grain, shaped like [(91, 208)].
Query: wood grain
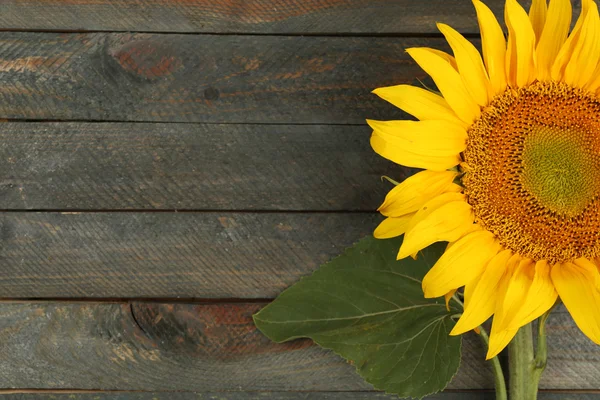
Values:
[(189, 166), (184, 347), (202, 78), (151, 346), (243, 16), (168, 255), (461, 395)]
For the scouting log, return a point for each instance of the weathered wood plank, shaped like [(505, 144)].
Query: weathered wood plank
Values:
[(189, 166), (150, 346), (243, 16), (201, 78), (251, 396), (470, 395), (249, 16), (168, 255)]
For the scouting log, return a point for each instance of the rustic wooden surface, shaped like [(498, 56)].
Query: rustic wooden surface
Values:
[(242, 16), (168, 255), (158, 346), (239, 79), (461, 395), (148, 346), (167, 167), (95, 166)]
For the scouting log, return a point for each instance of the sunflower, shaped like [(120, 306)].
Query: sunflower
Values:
[(510, 152)]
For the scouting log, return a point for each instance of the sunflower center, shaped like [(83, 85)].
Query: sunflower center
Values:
[(532, 167), (557, 169)]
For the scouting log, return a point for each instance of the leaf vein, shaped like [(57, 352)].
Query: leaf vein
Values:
[(355, 317)]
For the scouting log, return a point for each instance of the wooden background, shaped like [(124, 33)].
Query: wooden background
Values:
[(168, 167)]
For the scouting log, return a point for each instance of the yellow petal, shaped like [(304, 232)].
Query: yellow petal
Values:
[(416, 190), (537, 16), (520, 55), (460, 264), (499, 340), (594, 82), (482, 301), (529, 294), (493, 46), (596, 262), (576, 287), (586, 52), (470, 65), (516, 291), (556, 29), (448, 81), (468, 289), (448, 223), (448, 297), (557, 71), (392, 227), (540, 297), (433, 204), (400, 155), (449, 59), (436, 138), (418, 102)]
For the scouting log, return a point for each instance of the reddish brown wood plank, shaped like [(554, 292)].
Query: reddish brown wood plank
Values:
[(243, 16), (201, 78), (188, 166), (168, 255), (150, 346)]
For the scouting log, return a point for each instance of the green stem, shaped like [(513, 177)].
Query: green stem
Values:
[(499, 381), (525, 369), (456, 299), (520, 358), (541, 353)]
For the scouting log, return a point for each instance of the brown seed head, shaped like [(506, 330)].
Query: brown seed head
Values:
[(532, 171)]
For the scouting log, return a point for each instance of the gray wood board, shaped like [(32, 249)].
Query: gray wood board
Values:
[(470, 395), (149, 346), (202, 78), (248, 16), (190, 166), (154, 347), (168, 255)]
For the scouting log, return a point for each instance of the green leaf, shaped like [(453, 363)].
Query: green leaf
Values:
[(369, 308)]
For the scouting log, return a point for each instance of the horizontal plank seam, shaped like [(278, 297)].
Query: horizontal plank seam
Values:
[(118, 121), (130, 300), (182, 211), (91, 391), (284, 34), (147, 300)]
